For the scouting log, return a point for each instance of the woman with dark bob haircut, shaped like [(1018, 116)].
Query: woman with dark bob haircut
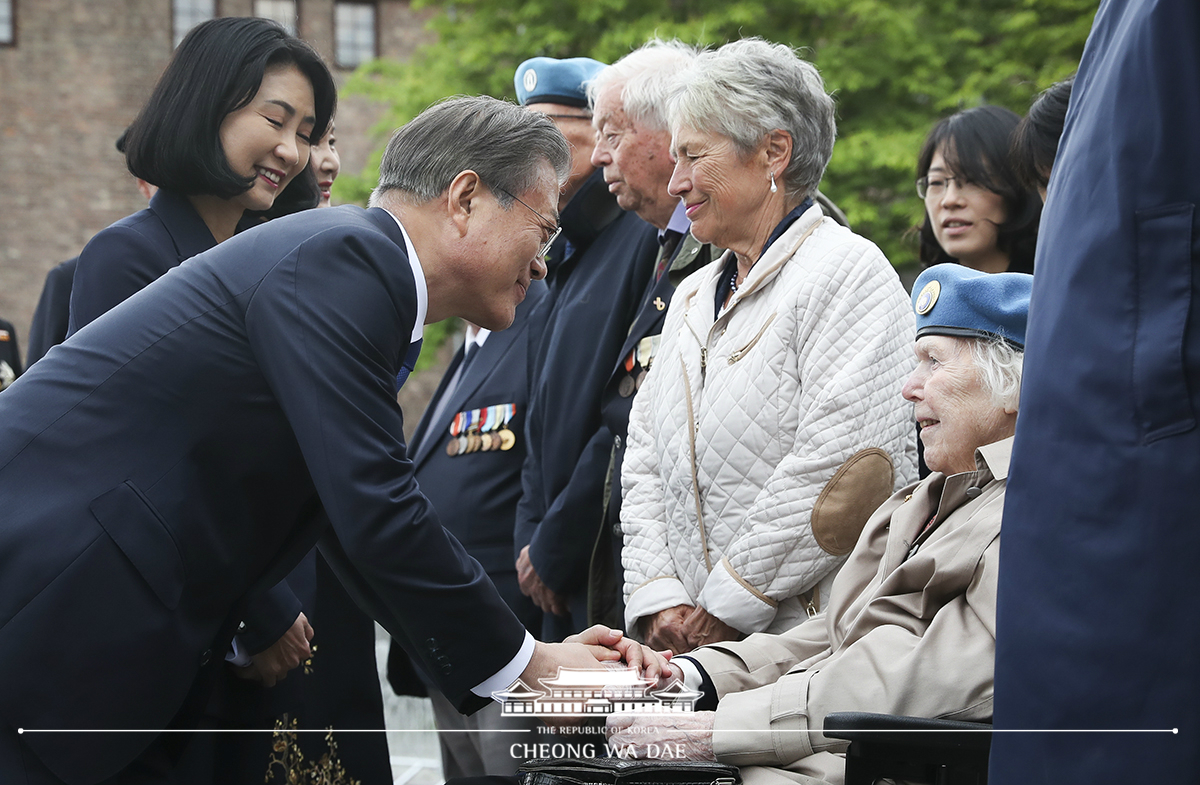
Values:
[(226, 130), (977, 211)]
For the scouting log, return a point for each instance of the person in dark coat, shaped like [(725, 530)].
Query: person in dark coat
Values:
[(597, 278), (633, 142), (468, 450), (50, 317), (1097, 620), (170, 458)]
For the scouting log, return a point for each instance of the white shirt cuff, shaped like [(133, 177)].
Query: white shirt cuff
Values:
[(237, 656), (691, 673), (510, 672)]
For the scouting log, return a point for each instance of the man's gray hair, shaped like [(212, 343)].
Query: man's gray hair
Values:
[(748, 88), (501, 142), (648, 77), (999, 366)]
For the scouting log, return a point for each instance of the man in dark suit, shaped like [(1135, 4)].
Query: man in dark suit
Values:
[(170, 458), (633, 145), (1097, 624), (597, 277), (468, 451)]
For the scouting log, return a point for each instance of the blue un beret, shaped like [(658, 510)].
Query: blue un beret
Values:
[(951, 299), (547, 80)]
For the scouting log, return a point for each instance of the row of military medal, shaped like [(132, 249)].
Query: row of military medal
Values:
[(641, 355), (482, 430)]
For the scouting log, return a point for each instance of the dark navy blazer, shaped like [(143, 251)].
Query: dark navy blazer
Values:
[(120, 261), (171, 457), (1097, 625), (476, 495), (594, 296), (123, 258)]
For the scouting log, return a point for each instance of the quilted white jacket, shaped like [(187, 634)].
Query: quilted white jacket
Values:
[(797, 381)]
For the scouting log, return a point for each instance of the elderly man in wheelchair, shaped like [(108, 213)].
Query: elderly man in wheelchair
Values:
[(910, 626)]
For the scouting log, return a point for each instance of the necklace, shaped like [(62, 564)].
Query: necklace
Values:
[(733, 282)]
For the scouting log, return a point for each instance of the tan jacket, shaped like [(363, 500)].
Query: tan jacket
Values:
[(903, 634)]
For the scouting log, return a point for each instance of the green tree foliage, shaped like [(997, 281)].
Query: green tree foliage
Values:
[(895, 67)]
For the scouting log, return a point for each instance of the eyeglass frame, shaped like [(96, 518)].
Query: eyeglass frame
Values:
[(545, 247), (963, 184)]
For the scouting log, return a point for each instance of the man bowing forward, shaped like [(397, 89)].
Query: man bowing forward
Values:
[(176, 454)]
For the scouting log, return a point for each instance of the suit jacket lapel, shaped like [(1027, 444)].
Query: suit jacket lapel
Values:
[(425, 437), (187, 229)]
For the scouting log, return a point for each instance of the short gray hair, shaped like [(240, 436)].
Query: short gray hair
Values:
[(999, 365), (501, 142), (748, 88), (648, 74)]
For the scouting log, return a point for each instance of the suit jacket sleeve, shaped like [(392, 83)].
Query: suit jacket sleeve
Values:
[(267, 616), (562, 543), (330, 325)]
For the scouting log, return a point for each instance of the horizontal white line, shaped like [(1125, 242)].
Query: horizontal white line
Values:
[(501, 730)]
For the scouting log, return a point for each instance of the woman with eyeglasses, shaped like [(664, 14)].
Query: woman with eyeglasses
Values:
[(977, 212)]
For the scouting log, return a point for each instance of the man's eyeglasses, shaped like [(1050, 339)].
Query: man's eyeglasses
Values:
[(550, 226)]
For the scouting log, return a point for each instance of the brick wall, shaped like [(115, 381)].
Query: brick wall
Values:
[(78, 74)]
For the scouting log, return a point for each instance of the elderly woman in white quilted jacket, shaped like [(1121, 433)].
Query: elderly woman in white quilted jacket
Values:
[(769, 427)]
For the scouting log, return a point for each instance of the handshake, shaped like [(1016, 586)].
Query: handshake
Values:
[(598, 647)]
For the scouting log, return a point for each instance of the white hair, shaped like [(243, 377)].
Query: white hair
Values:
[(999, 366), (647, 75), (748, 88)]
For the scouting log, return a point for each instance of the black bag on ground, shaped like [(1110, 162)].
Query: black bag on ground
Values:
[(619, 771)]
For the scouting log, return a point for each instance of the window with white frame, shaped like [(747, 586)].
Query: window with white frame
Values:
[(281, 11), (354, 25), (8, 27), (189, 13)]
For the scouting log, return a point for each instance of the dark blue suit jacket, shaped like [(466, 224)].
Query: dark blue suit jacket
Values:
[(123, 258), (594, 295), (476, 495), (170, 458), (1097, 624), (120, 261)]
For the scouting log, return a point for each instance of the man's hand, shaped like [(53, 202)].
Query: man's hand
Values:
[(686, 736), (532, 587), (666, 630), (701, 627), (271, 665)]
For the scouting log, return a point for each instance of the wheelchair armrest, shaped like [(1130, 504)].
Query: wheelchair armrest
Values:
[(901, 730)]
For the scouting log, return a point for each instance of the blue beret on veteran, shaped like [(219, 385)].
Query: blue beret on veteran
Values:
[(950, 299), (547, 80)]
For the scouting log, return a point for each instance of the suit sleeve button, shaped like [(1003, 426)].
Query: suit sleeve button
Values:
[(206, 657)]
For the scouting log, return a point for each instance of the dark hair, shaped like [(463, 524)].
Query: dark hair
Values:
[(1035, 142), (175, 141), (975, 144)]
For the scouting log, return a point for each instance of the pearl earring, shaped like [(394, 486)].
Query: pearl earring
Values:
[(773, 188)]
